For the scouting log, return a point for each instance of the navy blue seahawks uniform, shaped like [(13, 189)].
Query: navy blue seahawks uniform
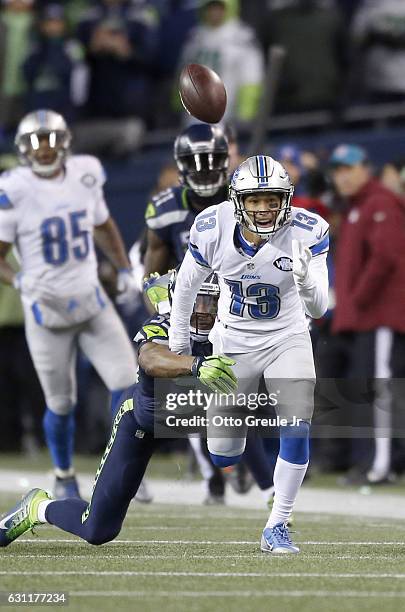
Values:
[(156, 329), (126, 456), (128, 453), (170, 215)]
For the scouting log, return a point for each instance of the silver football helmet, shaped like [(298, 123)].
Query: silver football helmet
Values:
[(261, 173), (32, 128)]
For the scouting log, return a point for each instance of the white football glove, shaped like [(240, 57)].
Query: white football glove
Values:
[(301, 258), (127, 287)]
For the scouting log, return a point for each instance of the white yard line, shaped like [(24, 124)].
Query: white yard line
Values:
[(257, 594), (202, 557), (205, 542), (271, 573), (339, 501)]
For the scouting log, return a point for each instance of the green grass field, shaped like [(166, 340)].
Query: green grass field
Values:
[(177, 558)]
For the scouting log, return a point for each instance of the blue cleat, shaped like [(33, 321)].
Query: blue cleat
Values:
[(66, 487), (276, 540), (23, 517)]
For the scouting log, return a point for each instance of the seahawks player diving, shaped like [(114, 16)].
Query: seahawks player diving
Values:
[(132, 442)]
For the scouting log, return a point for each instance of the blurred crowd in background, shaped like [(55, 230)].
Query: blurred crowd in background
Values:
[(111, 68)]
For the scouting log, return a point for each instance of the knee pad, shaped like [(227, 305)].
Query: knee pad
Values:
[(226, 447), (222, 462), (294, 443), (61, 404), (122, 377)]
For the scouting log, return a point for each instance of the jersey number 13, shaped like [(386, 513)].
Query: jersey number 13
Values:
[(267, 300)]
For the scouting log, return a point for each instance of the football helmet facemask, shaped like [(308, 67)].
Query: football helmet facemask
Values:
[(261, 174), (201, 154), (33, 129), (205, 306)]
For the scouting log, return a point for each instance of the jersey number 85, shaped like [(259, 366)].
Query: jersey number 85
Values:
[(55, 245)]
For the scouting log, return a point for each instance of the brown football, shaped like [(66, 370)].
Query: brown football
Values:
[(202, 93)]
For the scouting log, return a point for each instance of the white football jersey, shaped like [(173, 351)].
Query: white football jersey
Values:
[(51, 222), (259, 303)]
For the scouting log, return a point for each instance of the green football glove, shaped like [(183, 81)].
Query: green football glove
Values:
[(214, 372), (155, 287)]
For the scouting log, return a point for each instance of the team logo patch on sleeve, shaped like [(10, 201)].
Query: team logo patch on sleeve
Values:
[(4, 200), (150, 211), (88, 180), (285, 264)]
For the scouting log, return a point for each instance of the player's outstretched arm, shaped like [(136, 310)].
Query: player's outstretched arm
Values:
[(189, 280), (108, 238), (157, 255), (158, 361), (311, 279), (214, 372)]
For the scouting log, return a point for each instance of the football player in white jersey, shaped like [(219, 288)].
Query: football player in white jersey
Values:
[(270, 258), (52, 208)]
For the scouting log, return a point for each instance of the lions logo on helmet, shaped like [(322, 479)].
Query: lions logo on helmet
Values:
[(33, 129), (201, 154), (261, 173)]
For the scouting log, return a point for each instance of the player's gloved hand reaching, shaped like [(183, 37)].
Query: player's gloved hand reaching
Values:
[(215, 373), (156, 289), (126, 286), (301, 259)]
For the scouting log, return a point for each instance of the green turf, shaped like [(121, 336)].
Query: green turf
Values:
[(221, 569)]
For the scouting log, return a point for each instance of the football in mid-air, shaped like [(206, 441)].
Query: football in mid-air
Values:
[(202, 93)]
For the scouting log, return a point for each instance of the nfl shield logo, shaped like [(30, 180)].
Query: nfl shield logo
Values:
[(250, 266)]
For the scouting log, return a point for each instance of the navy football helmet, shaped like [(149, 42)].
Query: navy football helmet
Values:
[(201, 154)]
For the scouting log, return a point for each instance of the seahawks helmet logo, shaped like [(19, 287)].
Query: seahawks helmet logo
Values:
[(285, 264)]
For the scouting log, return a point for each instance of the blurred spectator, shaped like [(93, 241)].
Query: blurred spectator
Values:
[(120, 38), (177, 18), (229, 47), (314, 36), (121, 42), (370, 280), (235, 158), (393, 176), (54, 70), (16, 20), (302, 167), (378, 32)]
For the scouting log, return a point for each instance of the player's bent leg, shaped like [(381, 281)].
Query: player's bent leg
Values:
[(121, 470), (59, 430), (106, 344)]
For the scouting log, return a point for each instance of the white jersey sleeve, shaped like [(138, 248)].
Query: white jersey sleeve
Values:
[(195, 268), (8, 212), (96, 170), (313, 231)]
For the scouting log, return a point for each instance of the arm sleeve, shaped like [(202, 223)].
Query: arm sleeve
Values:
[(314, 290), (189, 280), (8, 218)]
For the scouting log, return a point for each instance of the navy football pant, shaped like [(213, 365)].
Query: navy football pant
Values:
[(117, 480)]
